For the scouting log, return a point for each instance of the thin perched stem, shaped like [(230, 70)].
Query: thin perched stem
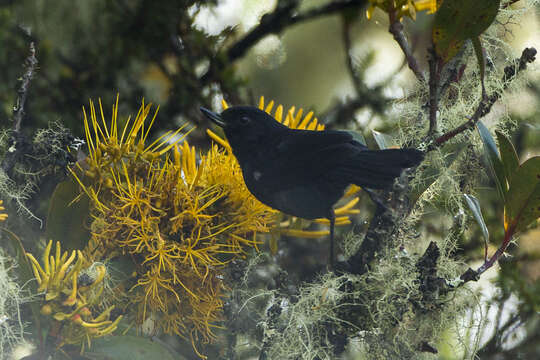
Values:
[(396, 29), (18, 110), (489, 263), (433, 91), (484, 107), (17, 137)]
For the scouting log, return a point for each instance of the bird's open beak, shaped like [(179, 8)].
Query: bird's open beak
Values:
[(216, 118)]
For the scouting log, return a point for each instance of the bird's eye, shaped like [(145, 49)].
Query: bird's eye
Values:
[(244, 120)]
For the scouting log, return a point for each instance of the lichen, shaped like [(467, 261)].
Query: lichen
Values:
[(12, 296)]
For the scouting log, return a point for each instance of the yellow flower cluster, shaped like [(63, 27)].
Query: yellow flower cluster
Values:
[(3, 216), (69, 300), (402, 8), (108, 150), (292, 226), (179, 220)]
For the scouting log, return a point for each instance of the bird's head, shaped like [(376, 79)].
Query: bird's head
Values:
[(244, 125)]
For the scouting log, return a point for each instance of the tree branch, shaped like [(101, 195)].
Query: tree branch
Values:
[(19, 141), (282, 17), (18, 110), (484, 107), (392, 208), (433, 91), (396, 29), (474, 275)]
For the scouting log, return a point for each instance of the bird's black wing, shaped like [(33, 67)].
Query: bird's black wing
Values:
[(300, 142), (303, 173), (301, 156), (296, 172), (334, 158)]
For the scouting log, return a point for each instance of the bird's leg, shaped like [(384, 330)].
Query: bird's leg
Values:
[(332, 218), (375, 198)]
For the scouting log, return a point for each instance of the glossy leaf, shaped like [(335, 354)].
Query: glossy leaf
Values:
[(128, 347), (509, 156), (522, 206), (460, 20), (358, 137), (384, 141), (481, 59), (474, 205), (494, 161), (65, 220)]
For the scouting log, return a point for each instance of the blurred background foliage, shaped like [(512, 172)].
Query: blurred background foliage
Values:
[(176, 53)]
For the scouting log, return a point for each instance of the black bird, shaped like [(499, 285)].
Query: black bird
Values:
[(301, 172)]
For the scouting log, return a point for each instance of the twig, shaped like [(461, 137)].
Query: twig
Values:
[(433, 91), (17, 137), (282, 17), (342, 113), (396, 29), (473, 275), (346, 34), (392, 208), (18, 110), (454, 74), (484, 107)]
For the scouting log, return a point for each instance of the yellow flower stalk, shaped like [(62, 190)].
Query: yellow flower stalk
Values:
[(402, 7), (67, 302), (3, 216)]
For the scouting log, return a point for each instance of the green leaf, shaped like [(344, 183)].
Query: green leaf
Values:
[(509, 156), (384, 141), (481, 61), (66, 219), (357, 137), (434, 171), (494, 161), (460, 20), (522, 205), (129, 347), (474, 205), (25, 275)]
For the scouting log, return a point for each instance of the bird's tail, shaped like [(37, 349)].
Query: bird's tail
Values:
[(377, 169)]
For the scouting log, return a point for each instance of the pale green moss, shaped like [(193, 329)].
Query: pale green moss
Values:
[(11, 298)]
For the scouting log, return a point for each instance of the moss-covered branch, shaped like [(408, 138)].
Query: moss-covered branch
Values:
[(484, 107)]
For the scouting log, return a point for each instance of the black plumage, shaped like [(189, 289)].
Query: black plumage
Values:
[(301, 172)]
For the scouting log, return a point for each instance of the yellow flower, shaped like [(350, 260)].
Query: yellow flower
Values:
[(109, 150), (179, 220), (3, 216), (293, 226), (69, 301), (402, 8), (429, 5)]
